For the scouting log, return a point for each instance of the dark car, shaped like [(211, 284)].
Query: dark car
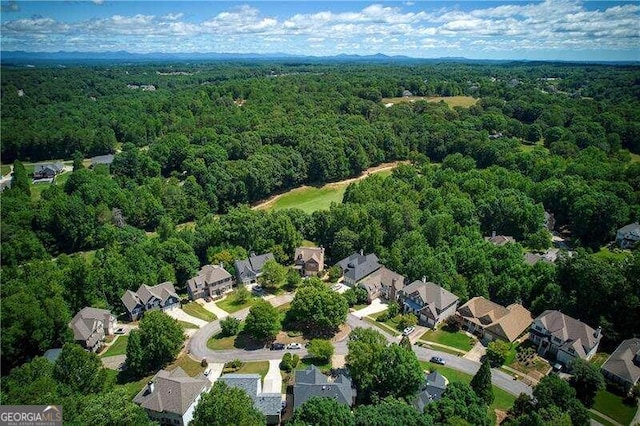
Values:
[(277, 346), (437, 360)]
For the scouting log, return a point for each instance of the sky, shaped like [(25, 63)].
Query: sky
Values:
[(535, 30)]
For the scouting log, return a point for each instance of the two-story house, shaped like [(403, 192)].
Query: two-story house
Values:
[(431, 303), (491, 321), (564, 337), (212, 280), (311, 382), (170, 398), (358, 266), (383, 283), (623, 366), (162, 296), (90, 326), (248, 270), (309, 260)]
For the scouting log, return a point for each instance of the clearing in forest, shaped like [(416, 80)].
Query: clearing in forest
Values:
[(452, 101)]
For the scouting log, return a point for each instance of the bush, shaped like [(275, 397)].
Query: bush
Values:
[(236, 364), (383, 316), (406, 320), (241, 294), (393, 309), (204, 363), (321, 349), (334, 273), (350, 297), (289, 362), (497, 352), (230, 326), (453, 324)]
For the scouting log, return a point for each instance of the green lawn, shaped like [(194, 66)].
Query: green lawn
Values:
[(309, 199), (219, 343), (615, 254), (191, 367), (599, 359), (600, 419), (457, 340), (612, 405), (5, 169), (120, 379), (383, 326), (260, 367), (227, 304), (185, 324), (197, 310), (119, 347), (36, 190), (503, 399)]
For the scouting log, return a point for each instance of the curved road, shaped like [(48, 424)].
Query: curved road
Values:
[(198, 349)]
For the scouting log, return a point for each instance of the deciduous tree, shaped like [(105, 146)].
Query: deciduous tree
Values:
[(224, 405), (263, 322)]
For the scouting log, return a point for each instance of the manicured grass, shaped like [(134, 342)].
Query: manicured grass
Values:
[(121, 379), (452, 101), (503, 399), (219, 343), (259, 367), (227, 304), (599, 359), (615, 254), (383, 326), (119, 347), (457, 340), (37, 189), (197, 310), (185, 324), (310, 199), (613, 406), (5, 169), (191, 367), (600, 419)]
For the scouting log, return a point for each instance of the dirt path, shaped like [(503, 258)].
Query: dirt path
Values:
[(377, 169)]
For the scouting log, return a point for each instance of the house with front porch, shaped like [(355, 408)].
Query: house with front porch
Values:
[(162, 296), (563, 337), (212, 281), (431, 303), (491, 321)]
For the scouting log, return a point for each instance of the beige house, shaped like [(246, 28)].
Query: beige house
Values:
[(212, 280), (170, 398), (309, 260), (383, 283), (431, 303), (90, 326), (491, 321)]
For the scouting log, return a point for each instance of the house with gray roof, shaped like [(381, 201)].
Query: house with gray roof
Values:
[(102, 159), (248, 270), (628, 236), (309, 260), (434, 386), (564, 337), (623, 366), (269, 404), (499, 240), (47, 171), (171, 397), (90, 326), (383, 283), (358, 266), (431, 303), (212, 280), (162, 296), (311, 382)]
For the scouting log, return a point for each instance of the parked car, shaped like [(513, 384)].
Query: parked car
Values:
[(294, 346), (257, 289), (407, 331), (277, 346), (284, 405), (207, 299), (119, 331), (207, 371), (437, 360)]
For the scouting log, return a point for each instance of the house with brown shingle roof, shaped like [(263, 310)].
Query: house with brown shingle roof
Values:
[(499, 240), (431, 303), (171, 397), (162, 296), (90, 326), (309, 260), (623, 366), (564, 337), (491, 321), (212, 280), (383, 283)]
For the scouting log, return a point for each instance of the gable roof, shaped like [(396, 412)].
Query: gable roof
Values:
[(513, 324), (500, 240), (266, 403), (632, 228), (173, 391), (162, 291), (431, 294), (130, 300), (624, 362), (56, 167), (383, 277), (305, 254), (85, 322), (434, 386), (311, 382), (357, 266), (208, 275), (251, 267), (569, 330)]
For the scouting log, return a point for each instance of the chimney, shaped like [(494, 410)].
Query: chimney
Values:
[(151, 386), (220, 265), (493, 234), (598, 332)]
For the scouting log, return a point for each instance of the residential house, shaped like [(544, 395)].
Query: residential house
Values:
[(90, 326), (383, 283), (102, 159), (551, 255), (248, 270), (212, 280), (434, 386), (430, 302), (628, 236), (47, 171), (358, 266), (311, 382), (309, 260), (491, 321), (499, 240), (623, 366), (162, 296), (564, 337), (171, 397), (269, 404)]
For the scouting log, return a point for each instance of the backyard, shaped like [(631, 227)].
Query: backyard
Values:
[(197, 310)]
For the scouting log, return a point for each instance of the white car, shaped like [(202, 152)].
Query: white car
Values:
[(294, 346), (407, 331)]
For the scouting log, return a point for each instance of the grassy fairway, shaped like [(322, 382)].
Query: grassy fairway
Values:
[(612, 405), (197, 310), (452, 101), (119, 347), (310, 199)]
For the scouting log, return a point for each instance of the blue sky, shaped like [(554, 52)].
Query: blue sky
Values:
[(552, 29)]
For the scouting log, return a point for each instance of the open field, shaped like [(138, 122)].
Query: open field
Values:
[(119, 347), (452, 101)]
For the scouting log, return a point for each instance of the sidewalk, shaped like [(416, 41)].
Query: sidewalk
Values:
[(531, 381), (212, 307), (607, 418), (440, 345)]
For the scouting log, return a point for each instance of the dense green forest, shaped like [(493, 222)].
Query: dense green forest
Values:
[(211, 139)]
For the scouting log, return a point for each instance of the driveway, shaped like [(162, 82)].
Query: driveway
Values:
[(476, 353), (212, 307), (375, 307), (273, 380), (115, 362), (216, 371), (181, 315)]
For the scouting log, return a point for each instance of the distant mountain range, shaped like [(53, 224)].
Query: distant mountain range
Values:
[(21, 57)]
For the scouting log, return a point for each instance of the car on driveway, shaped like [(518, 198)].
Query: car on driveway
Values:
[(119, 331), (257, 290), (407, 331), (437, 360), (277, 346), (294, 346)]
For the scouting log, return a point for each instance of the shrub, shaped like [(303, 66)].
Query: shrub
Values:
[(204, 363), (393, 309), (383, 316), (497, 352), (406, 320), (230, 326), (289, 362), (334, 273), (236, 364), (453, 324)]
